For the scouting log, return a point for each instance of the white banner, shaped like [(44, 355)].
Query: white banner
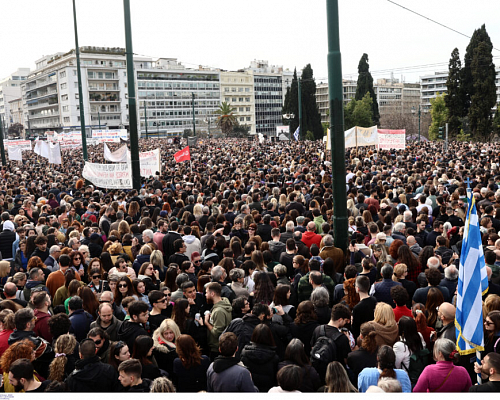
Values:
[(15, 153), (110, 135), (282, 129), (350, 138), (359, 136), (109, 176), (42, 148), (391, 139), (119, 155), (150, 163), (55, 153), (23, 144)]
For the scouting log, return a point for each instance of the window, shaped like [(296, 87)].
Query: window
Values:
[(64, 97), (240, 89), (66, 119), (247, 89), (234, 99), (240, 99), (247, 99), (64, 85), (248, 109), (65, 108), (249, 118), (62, 74), (226, 89), (241, 109), (242, 119)]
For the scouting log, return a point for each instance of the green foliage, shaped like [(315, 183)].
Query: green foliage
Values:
[(462, 136), (484, 95), (310, 136), (291, 104), (311, 117), (495, 126), (226, 120), (359, 113), (326, 125), (365, 85), (454, 99), (16, 129), (240, 131), (439, 115)]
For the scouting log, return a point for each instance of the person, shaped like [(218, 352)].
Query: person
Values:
[(289, 379), (305, 324), (66, 348), (382, 290), (56, 279), (41, 302), (190, 368), (385, 325), (80, 319), (164, 350), (101, 340), (365, 356), (434, 279), (305, 287), (492, 331), (295, 355), (336, 380), (385, 368), (162, 385), (261, 359), (6, 328), (107, 321), (364, 310), (21, 377), (444, 376), (21, 349), (130, 372), (159, 303), (226, 374), (489, 368), (90, 374), (400, 297), (218, 319), (410, 342), (446, 313), (143, 351), (118, 352)]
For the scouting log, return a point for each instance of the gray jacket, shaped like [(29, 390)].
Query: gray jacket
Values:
[(111, 330)]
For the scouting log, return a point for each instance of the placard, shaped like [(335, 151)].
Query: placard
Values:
[(109, 176), (391, 139), (25, 145), (110, 135)]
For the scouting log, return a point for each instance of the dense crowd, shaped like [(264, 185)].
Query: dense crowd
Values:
[(222, 274)]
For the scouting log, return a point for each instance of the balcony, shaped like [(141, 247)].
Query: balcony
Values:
[(41, 94), (98, 98), (50, 115), (104, 87), (38, 106)]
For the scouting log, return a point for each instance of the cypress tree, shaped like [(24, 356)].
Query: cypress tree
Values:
[(311, 117), (454, 99), (365, 85), (291, 104)]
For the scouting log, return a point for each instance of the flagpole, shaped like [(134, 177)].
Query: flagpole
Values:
[(478, 358)]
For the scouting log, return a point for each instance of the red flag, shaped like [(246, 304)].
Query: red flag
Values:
[(183, 155)]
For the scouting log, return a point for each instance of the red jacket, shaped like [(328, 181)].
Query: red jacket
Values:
[(42, 325), (309, 238), (402, 312)]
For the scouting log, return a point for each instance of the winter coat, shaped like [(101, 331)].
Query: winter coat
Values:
[(262, 361), (111, 330), (193, 379), (220, 318), (304, 332), (310, 238), (243, 328), (80, 324), (129, 330), (141, 259), (311, 381), (91, 375), (192, 244), (163, 353), (31, 285), (42, 325), (276, 249), (227, 375)]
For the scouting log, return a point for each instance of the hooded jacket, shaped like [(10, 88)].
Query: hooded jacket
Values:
[(192, 244), (31, 285), (262, 361), (310, 238), (276, 249), (243, 328), (228, 374), (80, 324), (163, 353), (129, 330), (91, 375), (220, 318), (386, 334), (7, 238), (42, 325), (111, 330)]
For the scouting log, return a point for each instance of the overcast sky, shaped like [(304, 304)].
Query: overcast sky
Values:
[(229, 34)]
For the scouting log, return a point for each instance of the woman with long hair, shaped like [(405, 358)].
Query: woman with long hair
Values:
[(261, 359), (7, 326), (434, 300), (258, 259), (336, 380), (134, 211), (78, 264), (264, 288), (156, 259), (164, 345), (95, 263), (386, 368), (171, 276), (150, 276), (143, 351), (64, 362), (410, 342), (385, 325), (124, 288), (491, 330), (420, 317), (399, 275), (444, 376), (90, 302), (393, 250), (351, 296), (118, 352), (296, 355), (306, 322), (22, 349), (282, 298), (405, 256), (190, 369), (366, 354)]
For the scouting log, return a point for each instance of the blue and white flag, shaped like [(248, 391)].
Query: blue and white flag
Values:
[(296, 133), (472, 284)]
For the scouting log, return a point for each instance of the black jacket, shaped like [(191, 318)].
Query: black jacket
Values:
[(243, 328), (129, 331), (310, 382), (143, 387), (262, 362), (91, 375), (167, 243), (304, 332)]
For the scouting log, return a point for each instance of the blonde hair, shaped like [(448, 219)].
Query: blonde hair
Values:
[(65, 345), (384, 315), (167, 324), (145, 250), (399, 270)]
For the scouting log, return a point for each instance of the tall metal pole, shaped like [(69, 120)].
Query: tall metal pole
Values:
[(301, 133), (146, 118), (194, 120), (419, 124), (80, 94), (2, 148), (132, 106), (337, 144), (99, 117)]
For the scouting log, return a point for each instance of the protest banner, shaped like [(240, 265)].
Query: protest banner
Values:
[(109, 176), (120, 155), (23, 144), (110, 135), (150, 163), (391, 139)]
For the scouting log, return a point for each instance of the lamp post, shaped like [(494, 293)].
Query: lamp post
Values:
[(194, 121), (419, 113), (146, 118), (208, 120), (289, 117)]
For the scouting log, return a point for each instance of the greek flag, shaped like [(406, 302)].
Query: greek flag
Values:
[(296, 134), (472, 284)]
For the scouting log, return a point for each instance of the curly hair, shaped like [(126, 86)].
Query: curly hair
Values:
[(369, 341), (17, 350), (351, 297), (65, 345), (394, 247), (305, 313), (36, 262)]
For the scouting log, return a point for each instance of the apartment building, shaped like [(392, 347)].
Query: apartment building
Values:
[(237, 89)]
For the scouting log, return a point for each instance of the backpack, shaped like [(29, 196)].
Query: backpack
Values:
[(418, 361), (324, 351)]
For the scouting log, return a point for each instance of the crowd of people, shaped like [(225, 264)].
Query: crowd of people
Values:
[(222, 274)]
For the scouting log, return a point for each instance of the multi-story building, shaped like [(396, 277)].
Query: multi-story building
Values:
[(431, 86), (50, 93), (237, 89), (166, 91), (16, 111), (10, 89)]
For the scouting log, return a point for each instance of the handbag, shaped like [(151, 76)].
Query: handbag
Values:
[(445, 379)]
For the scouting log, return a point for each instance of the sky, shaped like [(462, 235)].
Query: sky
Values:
[(230, 34)]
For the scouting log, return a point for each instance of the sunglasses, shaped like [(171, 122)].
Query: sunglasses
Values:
[(197, 261), (489, 323), (119, 345), (76, 258), (161, 301), (98, 342), (122, 286), (96, 277)]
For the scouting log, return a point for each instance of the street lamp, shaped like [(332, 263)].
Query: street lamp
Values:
[(208, 120), (289, 117), (419, 113)]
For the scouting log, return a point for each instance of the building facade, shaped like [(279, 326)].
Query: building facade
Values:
[(431, 86), (10, 89), (237, 89)]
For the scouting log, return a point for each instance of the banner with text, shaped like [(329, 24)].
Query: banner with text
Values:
[(119, 155), (110, 135), (391, 139), (359, 136), (23, 144), (109, 176), (150, 163)]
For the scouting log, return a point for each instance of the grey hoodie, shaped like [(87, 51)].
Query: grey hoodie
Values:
[(192, 244)]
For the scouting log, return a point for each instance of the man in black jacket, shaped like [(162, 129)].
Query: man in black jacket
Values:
[(90, 374), (130, 376), (169, 239), (139, 314)]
